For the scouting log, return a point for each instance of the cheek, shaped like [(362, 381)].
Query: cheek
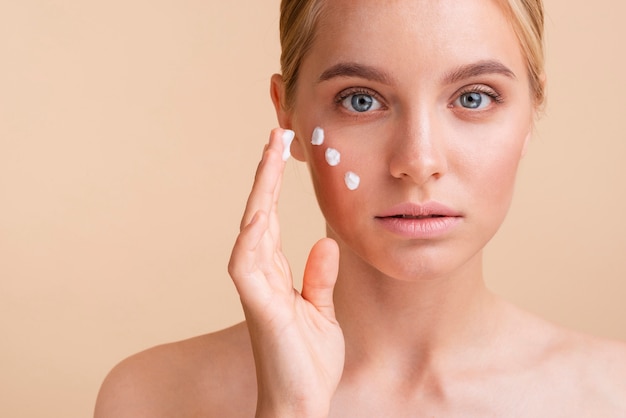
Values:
[(498, 179), (334, 163), (494, 170), (493, 150)]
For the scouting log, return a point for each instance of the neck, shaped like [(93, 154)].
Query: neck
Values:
[(423, 323)]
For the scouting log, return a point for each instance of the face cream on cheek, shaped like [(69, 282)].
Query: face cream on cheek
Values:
[(333, 157), (352, 180), (318, 136)]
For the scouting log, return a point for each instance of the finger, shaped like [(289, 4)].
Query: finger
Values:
[(267, 179), (255, 266), (320, 276), (286, 138), (242, 266)]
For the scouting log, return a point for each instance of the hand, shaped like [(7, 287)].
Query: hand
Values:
[(297, 343)]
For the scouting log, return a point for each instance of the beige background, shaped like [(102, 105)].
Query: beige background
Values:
[(129, 132)]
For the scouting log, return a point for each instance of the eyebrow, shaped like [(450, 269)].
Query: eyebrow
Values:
[(352, 69), (477, 69)]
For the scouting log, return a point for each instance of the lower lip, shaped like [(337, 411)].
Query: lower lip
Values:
[(425, 228)]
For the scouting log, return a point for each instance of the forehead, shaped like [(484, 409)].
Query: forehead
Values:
[(425, 35)]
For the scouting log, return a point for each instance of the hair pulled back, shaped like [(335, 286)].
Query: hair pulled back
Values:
[(298, 21)]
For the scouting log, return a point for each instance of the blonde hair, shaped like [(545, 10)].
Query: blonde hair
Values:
[(298, 22), (527, 18)]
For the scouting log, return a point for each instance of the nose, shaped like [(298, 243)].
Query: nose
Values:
[(418, 151)]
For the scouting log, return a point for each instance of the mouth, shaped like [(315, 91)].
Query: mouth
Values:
[(417, 212), (415, 216), (429, 220)]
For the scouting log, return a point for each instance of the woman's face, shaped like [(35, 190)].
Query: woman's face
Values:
[(428, 102)]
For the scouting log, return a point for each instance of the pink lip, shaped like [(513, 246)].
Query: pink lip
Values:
[(426, 221)]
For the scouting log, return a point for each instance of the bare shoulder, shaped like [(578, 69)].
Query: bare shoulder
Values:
[(602, 368), (586, 372), (563, 372), (209, 375)]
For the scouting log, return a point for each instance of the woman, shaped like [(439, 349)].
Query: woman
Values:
[(412, 117)]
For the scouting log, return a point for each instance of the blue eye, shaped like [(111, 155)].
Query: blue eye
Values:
[(474, 100), (360, 102)]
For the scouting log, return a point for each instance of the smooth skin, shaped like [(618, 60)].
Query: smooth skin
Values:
[(385, 325)]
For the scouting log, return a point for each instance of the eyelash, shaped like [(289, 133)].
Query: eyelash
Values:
[(356, 90), (494, 95)]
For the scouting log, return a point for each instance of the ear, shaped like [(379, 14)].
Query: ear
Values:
[(284, 114)]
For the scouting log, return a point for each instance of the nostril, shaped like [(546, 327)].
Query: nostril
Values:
[(418, 168)]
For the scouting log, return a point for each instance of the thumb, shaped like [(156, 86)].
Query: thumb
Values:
[(320, 275)]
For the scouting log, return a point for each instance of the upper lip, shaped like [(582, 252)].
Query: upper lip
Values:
[(415, 210)]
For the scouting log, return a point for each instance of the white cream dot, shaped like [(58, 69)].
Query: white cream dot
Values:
[(318, 136), (333, 157), (352, 180)]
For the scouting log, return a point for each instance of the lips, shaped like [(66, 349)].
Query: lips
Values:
[(419, 211), (416, 217), (419, 221)]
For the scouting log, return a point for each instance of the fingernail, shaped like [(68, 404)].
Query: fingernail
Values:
[(288, 137)]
